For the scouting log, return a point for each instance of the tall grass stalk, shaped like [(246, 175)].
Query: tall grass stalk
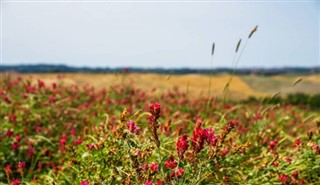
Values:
[(235, 63), (210, 76)]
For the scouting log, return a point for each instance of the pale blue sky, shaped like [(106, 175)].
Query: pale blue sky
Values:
[(159, 34)]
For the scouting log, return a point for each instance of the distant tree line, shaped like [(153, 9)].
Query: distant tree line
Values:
[(68, 69)]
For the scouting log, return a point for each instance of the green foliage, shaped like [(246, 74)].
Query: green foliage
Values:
[(78, 135)]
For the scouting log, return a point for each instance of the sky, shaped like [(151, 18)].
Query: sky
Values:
[(160, 34)]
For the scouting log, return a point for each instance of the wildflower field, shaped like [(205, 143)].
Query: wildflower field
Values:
[(56, 133)]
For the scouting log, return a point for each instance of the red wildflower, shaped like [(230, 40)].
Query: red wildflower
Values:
[(51, 99), (182, 145), (224, 151), (284, 178), (302, 181), (273, 144), (15, 145), (90, 146), (9, 133), (31, 152), (275, 164), (30, 89), (132, 127), (62, 141), (155, 109), (12, 118), (154, 167), (18, 138), (7, 168), (295, 174), (148, 183), (316, 148), (73, 132), (84, 183), (179, 172), (6, 99), (16, 182), (288, 159), (78, 141), (297, 143), (21, 165), (233, 123), (170, 163), (41, 84), (145, 167), (159, 182), (54, 85)]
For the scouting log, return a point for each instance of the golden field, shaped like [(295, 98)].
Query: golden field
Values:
[(241, 86)]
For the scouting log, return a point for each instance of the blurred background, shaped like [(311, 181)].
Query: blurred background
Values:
[(92, 42)]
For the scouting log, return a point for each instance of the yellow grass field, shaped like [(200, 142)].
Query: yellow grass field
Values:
[(193, 84)]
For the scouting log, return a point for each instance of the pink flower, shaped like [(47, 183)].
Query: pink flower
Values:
[(295, 174), (179, 172), (288, 159), (182, 145), (284, 178), (145, 167), (273, 144), (31, 152), (41, 84), (316, 148), (155, 109), (211, 138), (15, 146), (9, 133), (21, 165), (12, 118), (160, 182), (16, 182), (297, 143), (170, 163), (224, 151), (148, 183), (84, 183), (51, 99), (233, 123), (18, 138), (78, 141), (275, 164), (54, 85), (7, 168), (132, 127), (30, 89), (154, 167), (62, 141), (90, 146), (73, 132)]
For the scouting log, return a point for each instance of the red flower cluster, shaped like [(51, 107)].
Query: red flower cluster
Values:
[(16, 182), (145, 167), (284, 178), (176, 174), (84, 183), (21, 165), (148, 183), (316, 148), (200, 136), (170, 163), (155, 109), (132, 127), (154, 167), (182, 145), (273, 144)]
